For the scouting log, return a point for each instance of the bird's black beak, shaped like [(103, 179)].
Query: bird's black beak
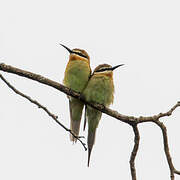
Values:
[(113, 68), (69, 50)]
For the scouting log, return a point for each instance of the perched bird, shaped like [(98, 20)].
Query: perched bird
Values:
[(76, 77), (100, 89)]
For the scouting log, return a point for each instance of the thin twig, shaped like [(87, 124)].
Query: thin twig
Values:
[(166, 148), (44, 108), (134, 151), (176, 172)]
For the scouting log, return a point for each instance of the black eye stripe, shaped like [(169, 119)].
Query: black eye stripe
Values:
[(104, 69), (78, 53)]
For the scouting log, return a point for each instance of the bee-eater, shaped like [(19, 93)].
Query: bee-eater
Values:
[(100, 89), (77, 74)]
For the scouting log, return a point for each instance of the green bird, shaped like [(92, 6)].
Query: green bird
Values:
[(100, 89), (76, 77)]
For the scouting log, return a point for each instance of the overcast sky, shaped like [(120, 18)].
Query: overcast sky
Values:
[(144, 35)]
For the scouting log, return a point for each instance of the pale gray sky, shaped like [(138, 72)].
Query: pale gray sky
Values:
[(144, 35)]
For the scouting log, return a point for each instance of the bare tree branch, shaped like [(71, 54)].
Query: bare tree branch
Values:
[(131, 120), (176, 172), (166, 148), (134, 152), (66, 90), (44, 108)]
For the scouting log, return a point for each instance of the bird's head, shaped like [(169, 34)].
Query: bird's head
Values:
[(105, 69), (77, 54)]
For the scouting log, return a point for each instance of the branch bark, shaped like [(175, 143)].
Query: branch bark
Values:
[(131, 120), (69, 92), (166, 148), (134, 152), (44, 108)]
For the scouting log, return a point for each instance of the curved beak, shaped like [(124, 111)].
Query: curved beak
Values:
[(69, 50), (113, 68)]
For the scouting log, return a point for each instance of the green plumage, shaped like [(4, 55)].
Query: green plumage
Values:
[(76, 77), (100, 90)]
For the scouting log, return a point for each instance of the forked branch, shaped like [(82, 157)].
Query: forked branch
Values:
[(131, 120)]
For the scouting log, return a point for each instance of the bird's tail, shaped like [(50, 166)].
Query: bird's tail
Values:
[(91, 141), (75, 107), (93, 117)]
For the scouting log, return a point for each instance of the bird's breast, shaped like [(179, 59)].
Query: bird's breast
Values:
[(77, 75)]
